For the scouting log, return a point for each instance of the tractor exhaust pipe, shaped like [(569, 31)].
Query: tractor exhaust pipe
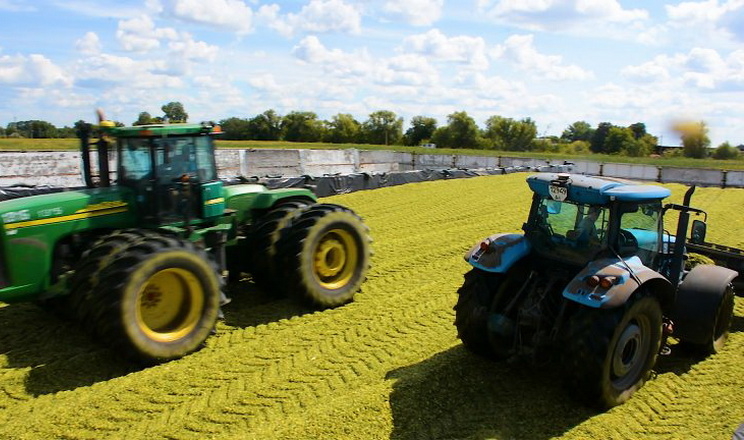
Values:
[(681, 239)]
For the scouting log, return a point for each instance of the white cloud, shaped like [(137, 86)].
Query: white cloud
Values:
[(187, 48), (646, 72), (33, 70), (265, 82), (709, 17), (415, 12), (563, 15), (140, 34), (700, 68), (89, 44), (16, 6), (520, 50), (360, 68), (318, 16), (233, 15), (438, 47)]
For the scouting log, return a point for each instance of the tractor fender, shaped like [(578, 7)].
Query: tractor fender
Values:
[(500, 252), (629, 275), (698, 297)]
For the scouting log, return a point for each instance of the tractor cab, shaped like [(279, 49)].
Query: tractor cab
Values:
[(170, 168), (577, 219)]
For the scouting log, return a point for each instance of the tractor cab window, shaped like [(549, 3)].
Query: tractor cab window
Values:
[(191, 156), (134, 161), (569, 230), (174, 158), (640, 232)]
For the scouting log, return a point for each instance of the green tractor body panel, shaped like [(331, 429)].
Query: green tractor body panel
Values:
[(213, 200), (246, 198), (32, 226)]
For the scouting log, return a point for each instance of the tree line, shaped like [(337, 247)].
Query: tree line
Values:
[(384, 127)]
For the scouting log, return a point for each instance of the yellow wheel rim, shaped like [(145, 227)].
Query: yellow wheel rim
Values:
[(169, 305), (335, 259)]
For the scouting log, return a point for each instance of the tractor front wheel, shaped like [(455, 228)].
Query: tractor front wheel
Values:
[(326, 253), (610, 352), (159, 300)]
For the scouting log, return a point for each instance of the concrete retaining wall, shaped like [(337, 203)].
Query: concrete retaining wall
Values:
[(62, 168)]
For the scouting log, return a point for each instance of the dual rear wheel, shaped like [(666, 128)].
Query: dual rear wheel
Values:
[(152, 297), (319, 253)]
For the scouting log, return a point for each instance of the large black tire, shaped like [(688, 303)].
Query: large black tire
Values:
[(263, 245), (86, 277), (86, 272), (325, 255), (473, 310), (718, 330), (610, 352), (159, 300)]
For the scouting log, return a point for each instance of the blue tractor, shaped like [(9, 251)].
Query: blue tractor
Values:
[(596, 282)]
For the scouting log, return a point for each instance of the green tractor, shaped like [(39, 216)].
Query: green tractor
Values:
[(594, 283), (141, 261)]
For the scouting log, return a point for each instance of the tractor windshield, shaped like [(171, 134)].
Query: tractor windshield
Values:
[(173, 158), (567, 230), (640, 229)]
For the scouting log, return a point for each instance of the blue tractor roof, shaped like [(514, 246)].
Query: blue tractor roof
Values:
[(596, 190)]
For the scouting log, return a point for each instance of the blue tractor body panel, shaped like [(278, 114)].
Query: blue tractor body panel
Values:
[(501, 253)]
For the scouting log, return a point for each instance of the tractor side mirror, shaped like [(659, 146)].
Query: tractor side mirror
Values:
[(698, 232)]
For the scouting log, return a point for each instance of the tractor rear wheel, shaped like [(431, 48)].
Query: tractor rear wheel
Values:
[(159, 300), (262, 248), (481, 323), (326, 252), (610, 352), (472, 311)]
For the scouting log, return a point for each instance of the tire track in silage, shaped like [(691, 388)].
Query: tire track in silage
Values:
[(671, 405), (265, 384), (267, 370)]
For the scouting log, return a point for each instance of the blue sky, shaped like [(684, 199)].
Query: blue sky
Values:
[(555, 61)]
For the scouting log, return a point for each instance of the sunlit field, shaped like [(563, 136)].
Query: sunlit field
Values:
[(387, 366)]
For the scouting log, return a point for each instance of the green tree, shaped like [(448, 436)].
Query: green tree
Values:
[(507, 134), (618, 139), (83, 129), (34, 128), (578, 131), (383, 128), (695, 141), (726, 151), (422, 129), (144, 118), (302, 127), (265, 127), (461, 132), (343, 128), (174, 112), (638, 129), (598, 137), (235, 129)]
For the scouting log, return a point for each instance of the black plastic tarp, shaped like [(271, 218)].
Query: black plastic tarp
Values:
[(327, 185)]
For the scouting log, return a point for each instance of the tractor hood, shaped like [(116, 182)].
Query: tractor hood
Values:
[(31, 227), (60, 207), (594, 190)]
